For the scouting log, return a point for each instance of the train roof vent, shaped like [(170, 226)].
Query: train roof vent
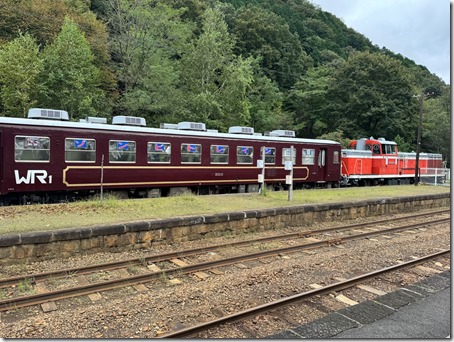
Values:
[(168, 126), (212, 131), (128, 120), (282, 133), (241, 130), (381, 139), (52, 114), (94, 120), (192, 126)]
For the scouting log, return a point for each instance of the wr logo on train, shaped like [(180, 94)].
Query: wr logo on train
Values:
[(32, 176)]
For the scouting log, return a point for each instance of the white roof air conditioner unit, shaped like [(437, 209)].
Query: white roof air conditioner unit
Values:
[(168, 126), (128, 120), (94, 120), (282, 133), (52, 114), (192, 126), (241, 130)]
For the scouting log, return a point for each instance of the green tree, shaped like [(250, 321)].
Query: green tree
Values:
[(371, 95), (266, 101), (43, 19), (70, 76), (336, 135), (214, 80), (20, 67), (261, 33), (436, 130), (308, 100), (148, 40)]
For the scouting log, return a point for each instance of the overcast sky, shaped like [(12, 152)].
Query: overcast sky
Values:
[(417, 29)]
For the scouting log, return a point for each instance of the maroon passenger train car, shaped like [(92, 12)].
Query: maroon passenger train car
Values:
[(47, 158)]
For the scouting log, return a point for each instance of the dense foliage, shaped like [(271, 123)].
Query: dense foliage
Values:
[(269, 64)]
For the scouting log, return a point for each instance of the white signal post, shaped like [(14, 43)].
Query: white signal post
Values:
[(102, 176), (261, 163), (289, 178)]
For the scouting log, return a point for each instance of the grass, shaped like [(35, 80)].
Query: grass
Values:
[(19, 219)]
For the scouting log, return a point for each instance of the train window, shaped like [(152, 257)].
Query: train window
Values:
[(270, 155), (191, 153), (80, 150), (336, 157), (376, 149), (244, 154), (308, 156), (389, 149), (121, 151), (219, 154), (159, 152), (286, 155), (322, 157), (31, 148)]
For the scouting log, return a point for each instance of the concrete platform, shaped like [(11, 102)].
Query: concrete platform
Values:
[(422, 310)]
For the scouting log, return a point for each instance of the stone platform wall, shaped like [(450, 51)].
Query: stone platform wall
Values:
[(26, 247)]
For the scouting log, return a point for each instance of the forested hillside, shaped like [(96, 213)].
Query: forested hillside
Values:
[(269, 64)]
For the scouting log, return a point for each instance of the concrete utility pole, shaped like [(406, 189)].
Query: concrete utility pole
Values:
[(422, 96)]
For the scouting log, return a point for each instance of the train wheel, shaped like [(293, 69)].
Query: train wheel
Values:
[(181, 190), (154, 193)]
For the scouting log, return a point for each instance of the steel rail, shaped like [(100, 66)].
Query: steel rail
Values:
[(190, 252), (23, 301), (298, 297)]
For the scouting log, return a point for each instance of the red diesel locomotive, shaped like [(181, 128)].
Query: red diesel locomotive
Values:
[(47, 158), (378, 161)]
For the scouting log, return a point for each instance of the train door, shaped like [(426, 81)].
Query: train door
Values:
[(322, 165)]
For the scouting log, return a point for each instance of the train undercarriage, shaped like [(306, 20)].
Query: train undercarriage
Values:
[(72, 196)]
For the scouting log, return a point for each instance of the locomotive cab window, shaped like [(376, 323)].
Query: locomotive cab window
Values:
[(270, 155), (244, 154), (80, 150), (376, 149), (31, 148), (389, 149), (159, 152), (191, 153), (219, 154), (308, 156), (121, 151)]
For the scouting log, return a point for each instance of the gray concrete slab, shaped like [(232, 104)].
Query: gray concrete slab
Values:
[(366, 312), (421, 310), (325, 327), (429, 317), (398, 299)]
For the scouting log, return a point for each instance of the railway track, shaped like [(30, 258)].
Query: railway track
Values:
[(11, 281), (278, 304), (173, 259)]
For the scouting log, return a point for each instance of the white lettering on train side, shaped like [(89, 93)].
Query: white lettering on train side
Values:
[(32, 176)]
